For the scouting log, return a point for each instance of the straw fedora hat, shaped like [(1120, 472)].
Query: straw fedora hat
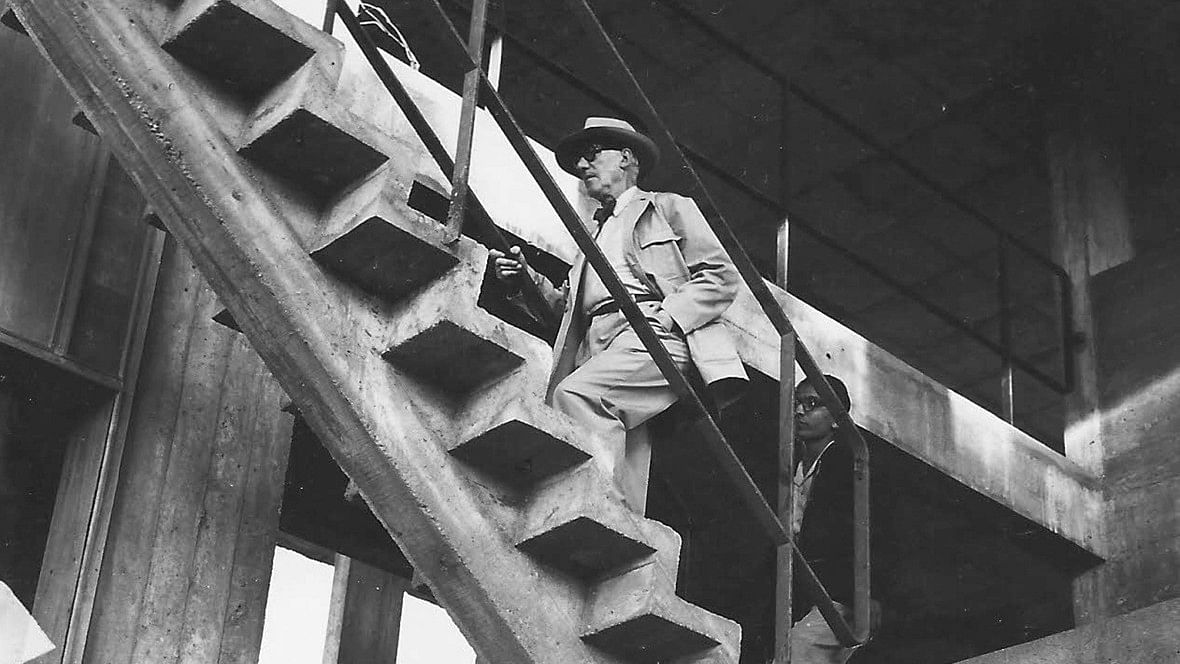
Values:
[(609, 132)]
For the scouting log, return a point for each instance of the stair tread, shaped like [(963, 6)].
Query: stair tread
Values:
[(638, 616), (317, 156), (521, 445)]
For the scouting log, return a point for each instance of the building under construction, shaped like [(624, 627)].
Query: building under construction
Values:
[(245, 303)]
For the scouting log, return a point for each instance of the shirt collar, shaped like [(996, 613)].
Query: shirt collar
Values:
[(624, 199), (815, 464)]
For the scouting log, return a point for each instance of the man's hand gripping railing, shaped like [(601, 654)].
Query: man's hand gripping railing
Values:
[(849, 433), (531, 294), (733, 468)]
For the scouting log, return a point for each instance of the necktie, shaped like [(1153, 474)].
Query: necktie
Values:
[(603, 213)]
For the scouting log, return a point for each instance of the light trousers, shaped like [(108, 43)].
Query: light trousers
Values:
[(616, 388)]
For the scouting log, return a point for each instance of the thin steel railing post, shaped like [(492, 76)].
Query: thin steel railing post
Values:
[(730, 465), (784, 157), (784, 599), (778, 207), (467, 116), (329, 15), (851, 435), (717, 445), (861, 554), (1069, 339), (530, 291), (1007, 401)]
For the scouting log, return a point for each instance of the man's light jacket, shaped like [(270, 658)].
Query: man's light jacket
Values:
[(675, 253)]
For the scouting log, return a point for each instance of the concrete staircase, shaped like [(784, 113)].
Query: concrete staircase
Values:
[(295, 210)]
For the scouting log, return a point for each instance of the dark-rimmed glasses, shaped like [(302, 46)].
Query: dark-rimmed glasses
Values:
[(590, 152), (808, 403)]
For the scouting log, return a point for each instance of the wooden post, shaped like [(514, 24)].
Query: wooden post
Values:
[(364, 620)]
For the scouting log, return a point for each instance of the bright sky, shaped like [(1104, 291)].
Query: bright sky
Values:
[(297, 619)]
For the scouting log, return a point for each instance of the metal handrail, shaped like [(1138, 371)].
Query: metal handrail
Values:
[(848, 433), (728, 460), (730, 464), (1062, 385), (851, 127), (532, 294)]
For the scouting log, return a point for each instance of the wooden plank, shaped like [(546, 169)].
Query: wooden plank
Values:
[(371, 623), (66, 541), (47, 167), (232, 443), (157, 638), (207, 448), (113, 454), (340, 567), (63, 323), (105, 299), (149, 440), (259, 526)]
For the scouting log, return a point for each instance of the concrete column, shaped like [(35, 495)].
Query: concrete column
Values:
[(1091, 233), (1137, 320), (186, 564)]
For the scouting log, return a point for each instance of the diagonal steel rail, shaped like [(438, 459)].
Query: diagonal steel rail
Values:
[(732, 467), (747, 491), (850, 435), (532, 294)]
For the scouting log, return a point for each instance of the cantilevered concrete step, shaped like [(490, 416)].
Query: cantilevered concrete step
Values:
[(374, 240), (521, 445), (637, 617), (317, 147), (566, 571), (248, 47), (9, 19), (579, 525), (442, 338)]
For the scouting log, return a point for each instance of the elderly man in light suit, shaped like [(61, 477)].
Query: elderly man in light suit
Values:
[(670, 262)]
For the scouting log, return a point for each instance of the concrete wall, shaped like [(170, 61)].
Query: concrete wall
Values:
[(1137, 320), (1146, 636), (186, 565)]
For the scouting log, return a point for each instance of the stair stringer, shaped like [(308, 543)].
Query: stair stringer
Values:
[(321, 340)]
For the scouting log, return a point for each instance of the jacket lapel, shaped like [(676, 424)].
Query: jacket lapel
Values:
[(569, 336)]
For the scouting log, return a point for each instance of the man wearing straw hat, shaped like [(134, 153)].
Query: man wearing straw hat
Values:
[(670, 262)]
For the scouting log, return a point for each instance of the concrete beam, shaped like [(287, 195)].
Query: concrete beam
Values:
[(1146, 636), (933, 423), (323, 339), (892, 400)]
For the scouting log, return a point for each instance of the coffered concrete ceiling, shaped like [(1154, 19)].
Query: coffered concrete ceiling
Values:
[(912, 132)]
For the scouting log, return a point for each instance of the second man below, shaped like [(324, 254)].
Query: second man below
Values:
[(670, 262)]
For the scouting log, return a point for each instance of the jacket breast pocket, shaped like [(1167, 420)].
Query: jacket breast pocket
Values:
[(659, 251)]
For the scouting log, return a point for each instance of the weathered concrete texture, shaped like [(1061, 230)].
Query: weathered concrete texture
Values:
[(9, 19), (894, 401), (373, 239), (223, 42), (931, 422), (520, 448), (323, 339), (1137, 321), (197, 506), (1146, 636)]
